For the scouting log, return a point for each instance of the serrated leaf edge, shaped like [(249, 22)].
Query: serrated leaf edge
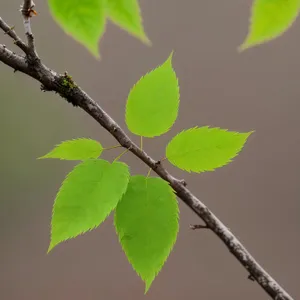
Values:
[(69, 141), (148, 285), (93, 48), (144, 38), (246, 45), (220, 166), (168, 60), (51, 245)]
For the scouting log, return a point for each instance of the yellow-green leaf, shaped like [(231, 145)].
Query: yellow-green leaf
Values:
[(204, 149), (127, 15), (269, 19), (87, 196), (153, 102), (146, 221), (83, 20), (78, 149)]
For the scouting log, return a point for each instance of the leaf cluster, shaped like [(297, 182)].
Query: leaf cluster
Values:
[(146, 209)]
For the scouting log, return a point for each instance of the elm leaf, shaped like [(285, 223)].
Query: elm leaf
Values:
[(127, 14), (146, 221), (204, 149), (78, 149), (270, 19), (83, 20), (87, 196), (153, 102)]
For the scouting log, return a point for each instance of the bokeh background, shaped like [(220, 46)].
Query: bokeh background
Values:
[(256, 196)]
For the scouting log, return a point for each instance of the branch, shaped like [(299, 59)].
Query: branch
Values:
[(27, 12), (10, 32), (32, 66), (27, 5)]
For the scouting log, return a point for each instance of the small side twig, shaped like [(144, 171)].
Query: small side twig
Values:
[(183, 182), (27, 10), (251, 277), (9, 30), (198, 226), (12, 59)]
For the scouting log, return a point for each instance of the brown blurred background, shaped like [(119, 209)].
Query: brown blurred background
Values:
[(257, 195)]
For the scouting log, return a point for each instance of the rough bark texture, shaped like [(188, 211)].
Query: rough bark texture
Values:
[(63, 84)]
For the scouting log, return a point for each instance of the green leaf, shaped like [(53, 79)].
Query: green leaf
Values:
[(204, 149), (127, 14), (269, 19), (146, 221), (79, 149), (83, 20), (152, 105), (87, 196)]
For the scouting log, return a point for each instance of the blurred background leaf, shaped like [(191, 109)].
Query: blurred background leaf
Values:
[(270, 19)]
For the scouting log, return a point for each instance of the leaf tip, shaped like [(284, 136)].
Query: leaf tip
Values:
[(51, 246), (147, 285), (95, 52), (42, 157), (98, 57), (250, 133), (48, 155), (144, 38), (248, 43), (170, 58), (241, 48)]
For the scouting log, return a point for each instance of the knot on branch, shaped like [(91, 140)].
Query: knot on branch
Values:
[(198, 226), (183, 182), (67, 86)]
